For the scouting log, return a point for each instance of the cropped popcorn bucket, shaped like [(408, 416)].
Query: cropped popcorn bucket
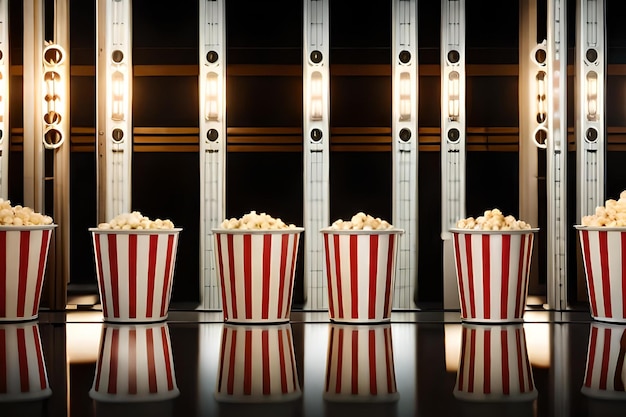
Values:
[(494, 365), (23, 373), (256, 270), (360, 272), (135, 364), (359, 364), (492, 269), (135, 270), (605, 372), (257, 365), (604, 259), (23, 260)]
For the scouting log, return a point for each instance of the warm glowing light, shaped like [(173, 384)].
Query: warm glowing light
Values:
[(117, 102), (405, 96), (538, 344), (316, 96), (52, 97), (453, 95), (83, 342), (592, 95), (540, 81), (211, 97), (452, 345)]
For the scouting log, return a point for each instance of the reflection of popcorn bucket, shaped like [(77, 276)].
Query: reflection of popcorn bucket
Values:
[(492, 269), (257, 365), (494, 365), (256, 270), (23, 258), (604, 251), (605, 373), (135, 364), (360, 269), (135, 271), (23, 375), (359, 365)]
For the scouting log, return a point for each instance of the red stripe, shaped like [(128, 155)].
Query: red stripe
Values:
[(23, 272), (472, 358), (43, 254), (152, 378), (113, 360), (166, 352), (223, 356), (292, 360), (587, 253), (504, 347), (98, 249), (605, 359), (41, 368), (3, 274), (220, 262), (355, 360), (167, 284), (461, 375), (486, 276), (3, 357), (391, 381), (132, 276), (623, 247), (231, 266), (231, 364), (606, 276), (390, 268), (329, 362), (354, 276), (247, 273), (267, 259), (470, 274), (520, 276), (265, 358), (114, 274), (132, 361), (282, 362), (459, 274), (283, 274), (591, 356), (100, 360), (339, 361), (22, 360), (296, 238), (338, 273), (373, 275), (331, 304), (506, 262), (372, 361), (529, 248), (247, 365), (487, 359), (152, 257)]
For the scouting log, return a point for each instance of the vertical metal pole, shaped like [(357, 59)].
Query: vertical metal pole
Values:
[(556, 166), (404, 147), (4, 99), (212, 93), (114, 107), (452, 137), (316, 149)]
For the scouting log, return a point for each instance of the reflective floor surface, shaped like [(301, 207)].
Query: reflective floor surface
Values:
[(422, 363)]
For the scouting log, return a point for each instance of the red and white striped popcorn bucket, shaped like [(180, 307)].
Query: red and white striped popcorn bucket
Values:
[(604, 259), (492, 269), (256, 271), (360, 271), (135, 364), (23, 374), (257, 365), (135, 270), (359, 364), (23, 259), (605, 373), (494, 365)]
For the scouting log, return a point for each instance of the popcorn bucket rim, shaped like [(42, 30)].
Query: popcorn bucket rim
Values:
[(600, 228), (390, 231), (29, 228), (479, 397), (258, 398), (289, 231), (134, 398), (494, 232), (135, 231)]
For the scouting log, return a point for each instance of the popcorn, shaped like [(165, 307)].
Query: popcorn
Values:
[(21, 216), (361, 221), (254, 221), (612, 214), (492, 220), (135, 221)]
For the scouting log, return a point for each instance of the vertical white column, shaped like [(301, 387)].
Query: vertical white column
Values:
[(452, 137), (315, 126), (404, 147), (556, 154), (114, 98), (590, 118), (212, 93), (4, 99)]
